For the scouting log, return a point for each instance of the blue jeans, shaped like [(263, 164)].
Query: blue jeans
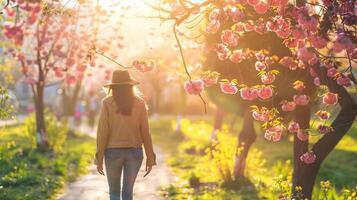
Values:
[(122, 159)]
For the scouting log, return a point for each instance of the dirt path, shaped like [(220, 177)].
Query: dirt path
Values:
[(94, 186)]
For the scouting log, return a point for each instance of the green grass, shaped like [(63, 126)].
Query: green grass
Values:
[(26, 173), (269, 166)]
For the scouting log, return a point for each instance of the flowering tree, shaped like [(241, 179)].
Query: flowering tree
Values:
[(296, 50), (40, 42), (90, 18)]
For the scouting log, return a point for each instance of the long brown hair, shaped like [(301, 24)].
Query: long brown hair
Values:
[(124, 98)]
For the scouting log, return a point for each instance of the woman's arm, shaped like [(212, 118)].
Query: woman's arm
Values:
[(145, 133), (102, 133)]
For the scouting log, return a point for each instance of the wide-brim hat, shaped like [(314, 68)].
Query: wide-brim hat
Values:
[(121, 77)]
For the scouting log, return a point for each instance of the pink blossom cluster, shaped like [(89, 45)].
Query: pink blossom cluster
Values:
[(287, 106), (308, 157), (330, 98), (14, 32), (144, 66), (194, 87), (263, 114), (323, 129), (210, 79), (280, 26), (250, 94), (301, 99), (302, 134), (322, 114), (228, 88), (273, 133), (229, 38)]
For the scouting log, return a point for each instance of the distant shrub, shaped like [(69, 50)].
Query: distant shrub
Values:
[(6, 108)]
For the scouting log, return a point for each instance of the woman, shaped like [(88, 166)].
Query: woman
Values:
[(123, 128)]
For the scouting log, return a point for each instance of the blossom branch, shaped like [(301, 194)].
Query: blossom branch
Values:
[(111, 59), (184, 64)]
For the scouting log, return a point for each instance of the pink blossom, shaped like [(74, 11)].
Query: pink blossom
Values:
[(272, 25), (209, 81), (58, 72), (229, 38), (261, 8), (265, 93), (253, 2), (10, 12), (236, 14), (260, 56), (214, 15), (70, 79), (144, 66), (261, 116), (307, 22), (317, 81), (330, 98), (239, 27), (30, 81), (342, 43), (331, 72), (289, 62), (267, 78), (260, 66), (194, 87), (249, 26), (301, 99), (288, 106), (273, 133), (304, 54), (30, 108), (323, 115), (293, 127), (260, 27), (213, 27), (323, 129), (344, 81), (308, 157), (318, 42), (14, 32), (299, 34), (283, 33), (228, 88), (222, 51), (302, 135), (249, 93), (237, 56), (269, 61), (291, 43)]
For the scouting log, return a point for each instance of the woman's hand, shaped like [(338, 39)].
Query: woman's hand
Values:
[(148, 169), (100, 168)]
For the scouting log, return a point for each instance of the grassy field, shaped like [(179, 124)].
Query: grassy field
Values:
[(26, 173), (269, 165)]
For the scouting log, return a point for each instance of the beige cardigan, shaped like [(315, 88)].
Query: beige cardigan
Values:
[(120, 131)]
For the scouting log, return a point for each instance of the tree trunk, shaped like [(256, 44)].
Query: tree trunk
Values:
[(245, 140), (41, 136), (302, 116), (322, 148)]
